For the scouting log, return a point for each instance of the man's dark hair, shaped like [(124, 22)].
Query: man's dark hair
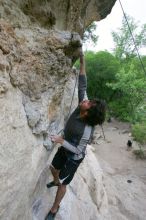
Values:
[(96, 113)]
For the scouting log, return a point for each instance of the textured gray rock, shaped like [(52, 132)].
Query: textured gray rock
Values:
[(33, 115), (38, 46), (66, 15)]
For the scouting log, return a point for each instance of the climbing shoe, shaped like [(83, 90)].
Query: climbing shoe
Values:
[(50, 215), (51, 184)]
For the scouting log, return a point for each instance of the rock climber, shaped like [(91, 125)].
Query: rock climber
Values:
[(77, 134)]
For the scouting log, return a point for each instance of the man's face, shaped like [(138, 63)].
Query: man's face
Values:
[(85, 105)]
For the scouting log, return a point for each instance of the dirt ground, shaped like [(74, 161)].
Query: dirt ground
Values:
[(124, 175)]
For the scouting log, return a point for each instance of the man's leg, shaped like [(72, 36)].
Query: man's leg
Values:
[(65, 177), (59, 196), (57, 164), (55, 174)]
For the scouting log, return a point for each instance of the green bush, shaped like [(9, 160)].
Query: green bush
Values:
[(139, 154), (118, 111), (139, 132), (140, 114)]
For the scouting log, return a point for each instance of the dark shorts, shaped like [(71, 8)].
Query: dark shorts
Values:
[(66, 166)]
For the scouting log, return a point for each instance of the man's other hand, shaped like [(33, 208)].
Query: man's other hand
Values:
[(57, 139)]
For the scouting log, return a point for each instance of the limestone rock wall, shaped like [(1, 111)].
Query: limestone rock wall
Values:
[(38, 45), (66, 15)]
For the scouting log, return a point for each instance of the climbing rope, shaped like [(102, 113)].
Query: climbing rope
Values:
[(72, 96), (141, 62), (71, 102), (103, 132), (133, 38)]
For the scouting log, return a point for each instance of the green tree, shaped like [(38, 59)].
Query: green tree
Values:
[(130, 93), (89, 34), (101, 68), (130, 81), (124, 45)]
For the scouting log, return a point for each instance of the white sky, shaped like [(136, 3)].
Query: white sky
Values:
[(134, 8)]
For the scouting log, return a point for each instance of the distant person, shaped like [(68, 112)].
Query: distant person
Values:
[(109, 120), (77, 134), (129, 145)]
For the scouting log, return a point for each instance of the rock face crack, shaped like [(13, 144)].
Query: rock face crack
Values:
[(36, 207), (5, 52)]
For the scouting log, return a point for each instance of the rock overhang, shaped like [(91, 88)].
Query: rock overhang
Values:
[(66, 15)]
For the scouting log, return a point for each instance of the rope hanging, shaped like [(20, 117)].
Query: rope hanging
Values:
[(72, 96), (71, 102), (132, 38)]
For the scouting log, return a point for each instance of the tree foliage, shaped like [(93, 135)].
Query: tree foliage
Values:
[(89, 34), (124, 45), (130, 93), (119, 78), (101, 68)]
